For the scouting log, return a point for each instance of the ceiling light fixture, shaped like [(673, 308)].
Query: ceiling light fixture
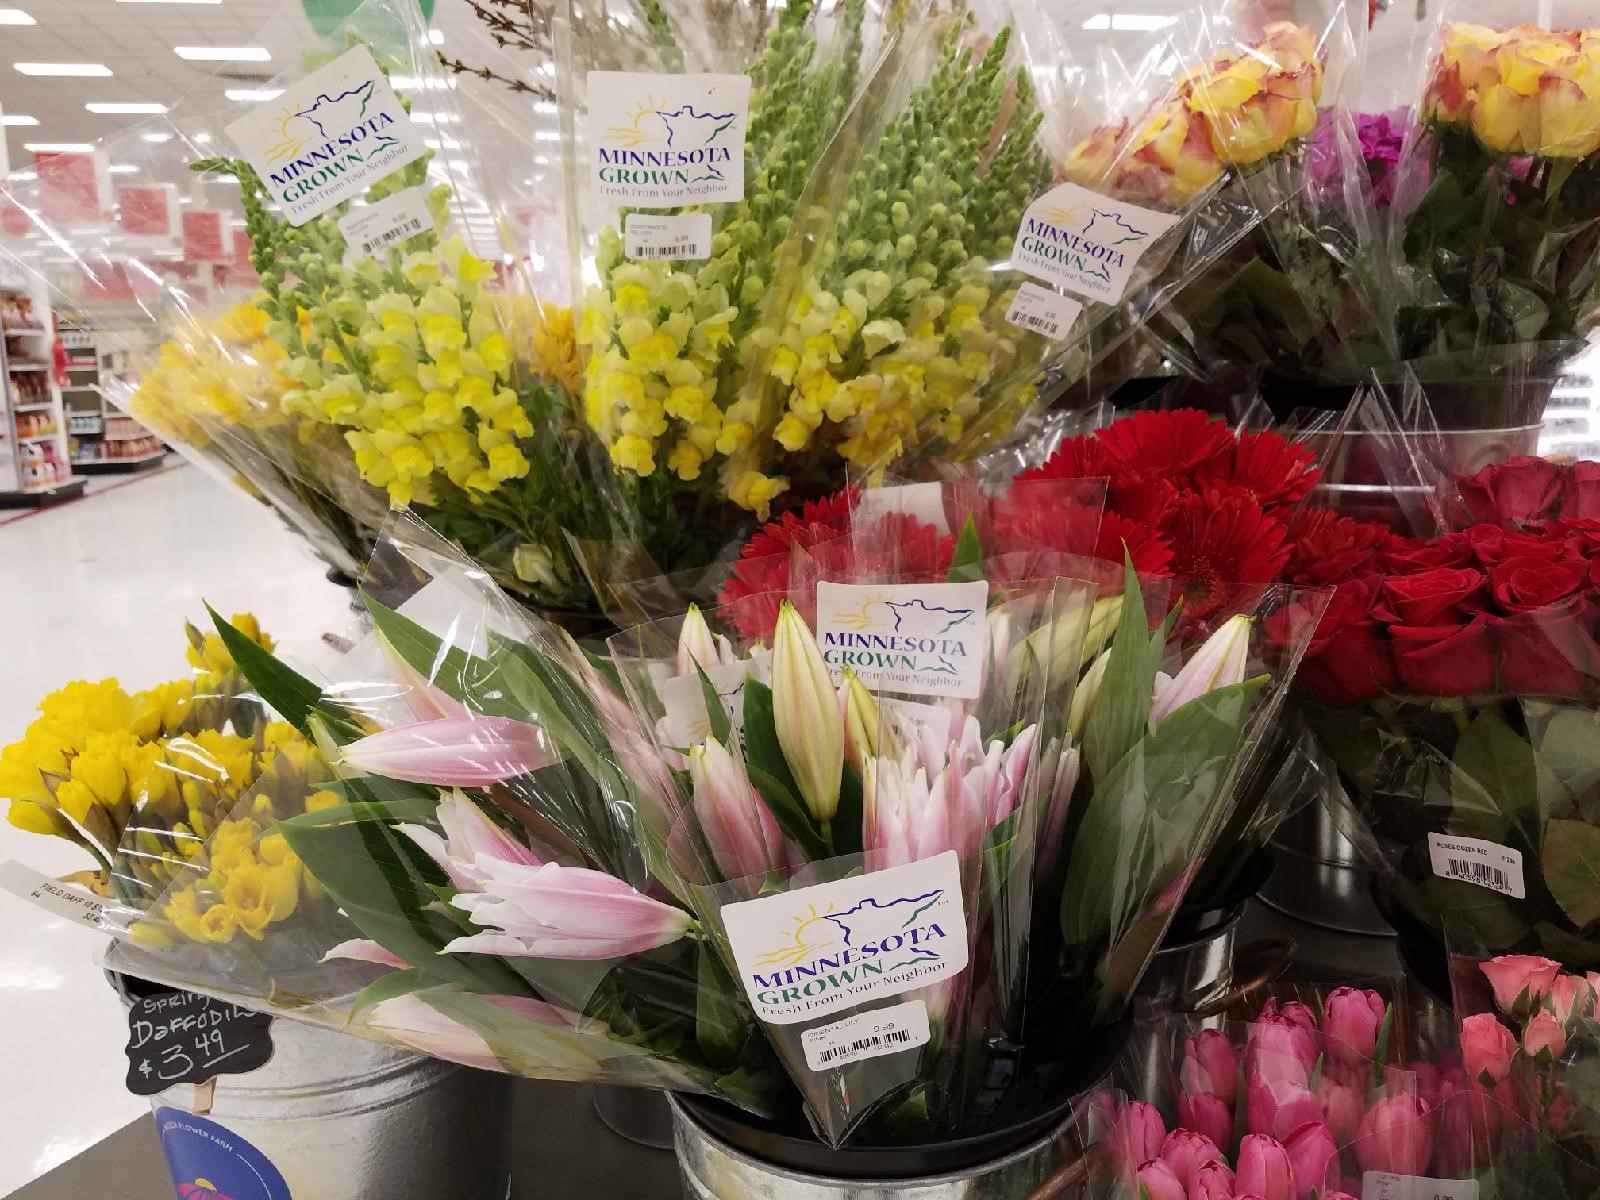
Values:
[(15, 16), (17, 119), (169, 1), (112, 108), (156, 137), (223, 53), (99, 70), (436, 36), (124, 168), (58, 147), (1128, 22), (253, 94)]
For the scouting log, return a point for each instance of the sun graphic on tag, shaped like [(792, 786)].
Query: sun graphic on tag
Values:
[(813, 933), (323, 119), (200, 1189), (1109, 228)]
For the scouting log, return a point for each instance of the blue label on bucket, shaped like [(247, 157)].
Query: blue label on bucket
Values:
[(210, 1162)]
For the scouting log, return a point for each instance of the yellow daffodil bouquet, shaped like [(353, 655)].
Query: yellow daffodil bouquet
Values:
[(141, 780), (1501, 248)]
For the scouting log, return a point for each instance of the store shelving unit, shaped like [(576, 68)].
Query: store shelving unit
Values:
[(103, 439), (34, 462)]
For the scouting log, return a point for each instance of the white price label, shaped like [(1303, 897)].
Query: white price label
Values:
[(1042, 311), (57, 898), (924, 501), (872, 1034), (329, 137), (661, 141), (915, 715), (1086, 242), (392, 221), (816, 950), (918, 639), (1473, 860), (1383, 1185), (684, 699), (686, 237)]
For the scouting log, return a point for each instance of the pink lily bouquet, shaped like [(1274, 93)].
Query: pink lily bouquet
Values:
[(847, 880)]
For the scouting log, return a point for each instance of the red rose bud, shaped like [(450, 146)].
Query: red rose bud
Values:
[(1396, 1135), (1514, 492), (1445, 660), (1186, 1151), (1571, 998), (1487, 1048), (1349, 660), (1526, 582), (1207, 1113), (1264, 1169), (1548, 652), (1351, 1019), (1313, 1157), (1545, 1037), (1211, 1064), (1413, 558), (1443, 596), (1580, 498), (1492, 545), (1520, 981)]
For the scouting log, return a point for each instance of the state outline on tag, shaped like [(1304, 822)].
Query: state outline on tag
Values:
[(1087, 243)]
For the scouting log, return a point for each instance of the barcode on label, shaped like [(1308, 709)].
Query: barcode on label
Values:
[(881, 1031), (684, 236), (895, 1037), (1042, 324), (677, 250), (1042, 311), (1476, 872), (1481, 863), (410, 229)]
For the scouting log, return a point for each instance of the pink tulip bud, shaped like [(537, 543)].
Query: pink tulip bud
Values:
[(1342, 1109), (453, 752), (1313, 1157), (1186, 1151), (1337, 1196), (1211, 1064), (1469, 1121), (1279, 1108), (1208, 1114), (1396, 1135), (1211, 1181), (1571, 999), (1351, 1020), (1519, 980), (743, 834), (1299, 1013), (1137, 1134), (1280, 1050), (1157, 1181), (1487, 1048), (1264, 1168), (1545, 1037)]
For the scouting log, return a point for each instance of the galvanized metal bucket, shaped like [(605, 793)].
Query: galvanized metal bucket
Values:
[(715, 1170), (1323, 881), (336, 1117)]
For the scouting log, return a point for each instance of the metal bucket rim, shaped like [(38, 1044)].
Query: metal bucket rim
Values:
[(680, 1113), (1216, 932)]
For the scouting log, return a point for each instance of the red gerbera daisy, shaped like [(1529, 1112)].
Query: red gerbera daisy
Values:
[(1164, 443), (1220, 542), (1076, 458), (1327, 548), (1270, 469)]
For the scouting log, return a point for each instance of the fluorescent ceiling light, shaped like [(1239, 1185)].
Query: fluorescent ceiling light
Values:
[(156, 137), (124, 168), (547, 135), (25, 175), (169, 1), (58, 147), (223, 53), (15, 16), (545, 106), (1128, 22), (203, 138), (253, 94), (110, 108), (17, 119), (436, 36), (38, 68)]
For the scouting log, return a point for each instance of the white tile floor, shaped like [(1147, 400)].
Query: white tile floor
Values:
[(90, 589)]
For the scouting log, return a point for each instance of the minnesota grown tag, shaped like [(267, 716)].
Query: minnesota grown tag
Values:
[(660, 141), (813, 951), (684, 697), (1086, 242), (919, 639), (329, 137)]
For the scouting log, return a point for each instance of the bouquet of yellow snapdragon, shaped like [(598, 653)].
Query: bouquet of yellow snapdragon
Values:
[(140, 780)]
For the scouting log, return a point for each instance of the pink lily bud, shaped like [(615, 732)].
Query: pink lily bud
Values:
[(1469, 1121), (1280, 1050), (1520, 981), (743, 834), (1218, 663), (1487, 1048), (426, 701), (1264, 1169), (363, 950), (806, 714), (1341, 1108), (1211, 1181), (1313, 1157), (466, 751), (1351, 1020), (698, 646), (1211, 1064), (1157, 1181), (1206, 1113), (471, 842), (1136, 1134), (1571, 998), (412, 1022), (1396, 1135), (1279, 1108), (1545, 1037), (1186, 1151)]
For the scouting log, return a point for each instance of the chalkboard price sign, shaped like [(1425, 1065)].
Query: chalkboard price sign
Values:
[(179, 1037)]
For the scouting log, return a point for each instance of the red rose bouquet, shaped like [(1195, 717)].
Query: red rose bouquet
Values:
[(1455, 683)]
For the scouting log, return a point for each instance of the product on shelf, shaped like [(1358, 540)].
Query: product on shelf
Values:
[(17, 313)]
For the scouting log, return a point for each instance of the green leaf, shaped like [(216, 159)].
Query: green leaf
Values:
[(1120, 715), (966, 563), (1566, 948), (717, 719), (719, 1025), (479, 684), (849, 817), (1496, 781), (416, 808), (388, 986), (786, 809), (1380, 1049), (291, 694), (1572, 869), (769, 770), (1564, 738)]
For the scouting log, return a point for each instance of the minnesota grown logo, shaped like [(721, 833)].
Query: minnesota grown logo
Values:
[(814, 951), (919, 639), (1087, 243), (659, 141), (329, 138)]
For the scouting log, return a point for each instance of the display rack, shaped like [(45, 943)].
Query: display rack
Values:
[(103, 439), (34, 461)]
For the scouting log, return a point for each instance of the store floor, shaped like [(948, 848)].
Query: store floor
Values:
[(97, 588)]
